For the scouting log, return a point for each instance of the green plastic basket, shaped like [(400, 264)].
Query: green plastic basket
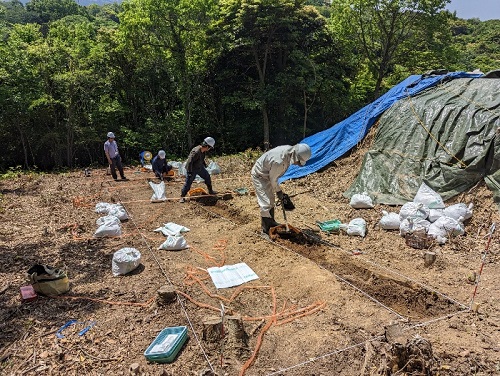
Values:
[(330, 226), (166, 345)]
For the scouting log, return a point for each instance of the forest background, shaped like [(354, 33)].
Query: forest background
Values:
[(164, 74)]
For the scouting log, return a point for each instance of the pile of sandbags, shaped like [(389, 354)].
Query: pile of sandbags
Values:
[(428, 215)]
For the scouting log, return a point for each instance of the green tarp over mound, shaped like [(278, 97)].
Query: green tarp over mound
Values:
[(446, 136)]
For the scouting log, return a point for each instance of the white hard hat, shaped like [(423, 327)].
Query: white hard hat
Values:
[(162, 154), (209, 141), (111, 135), (303, 153)]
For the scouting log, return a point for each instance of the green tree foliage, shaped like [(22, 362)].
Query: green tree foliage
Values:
[(14, 12), (164, 74), (51, 10), (19, 87), (384, 30), (276, 58), (478, 43), (173, 34)]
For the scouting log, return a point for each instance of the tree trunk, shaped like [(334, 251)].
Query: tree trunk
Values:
[(265, 118), (23, 142)]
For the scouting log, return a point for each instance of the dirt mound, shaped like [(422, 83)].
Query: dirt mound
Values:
[(323, 304)]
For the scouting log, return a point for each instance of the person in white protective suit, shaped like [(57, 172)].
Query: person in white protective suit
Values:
[(265, 174)]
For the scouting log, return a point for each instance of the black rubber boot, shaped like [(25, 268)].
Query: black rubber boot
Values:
[(267, 223), (210, 190)]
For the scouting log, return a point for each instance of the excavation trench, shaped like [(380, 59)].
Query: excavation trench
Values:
[(405, 297)]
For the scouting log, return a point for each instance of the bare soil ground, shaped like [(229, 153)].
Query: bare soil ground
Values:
[(317, 308)]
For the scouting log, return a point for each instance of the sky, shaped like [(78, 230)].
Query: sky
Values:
[(482, 9)]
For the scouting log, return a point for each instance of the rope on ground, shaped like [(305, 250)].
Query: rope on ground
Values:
[(196, 275), (181, 303)]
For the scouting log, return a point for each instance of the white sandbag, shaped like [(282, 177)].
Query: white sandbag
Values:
[(118, 211), (434, 214), (213, 168), (389, 221), (413, 209), (108, 230), (361, 201), (175, 164), (158, 191), (459, 210), (108, 219), (412, 225), (355, 227), (182, 169), (102, 207), (446, 226), (430, 198), (174, 243), (171, 228), (125, 260)]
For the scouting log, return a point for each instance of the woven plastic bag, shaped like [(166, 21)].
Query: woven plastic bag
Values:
[(158, 192), (413, 209), (389, 221), (361, 201), (355, 227), (125, 260), (174, 243), (430, 198)]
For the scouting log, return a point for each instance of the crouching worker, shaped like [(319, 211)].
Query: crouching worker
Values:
[(265, 174), (196, 165), (160, 165)]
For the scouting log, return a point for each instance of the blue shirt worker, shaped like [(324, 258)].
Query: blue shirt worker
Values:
[(113, 156), (196, 165), (160, 164), (141, 158), (265, 174)]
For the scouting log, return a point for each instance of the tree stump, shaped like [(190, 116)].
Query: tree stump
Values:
[(166, 295), (232, 336), (212, 329)]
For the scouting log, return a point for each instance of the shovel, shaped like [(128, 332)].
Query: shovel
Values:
[(284, 217)]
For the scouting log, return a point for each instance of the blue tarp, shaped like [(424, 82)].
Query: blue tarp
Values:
[(332, 143)]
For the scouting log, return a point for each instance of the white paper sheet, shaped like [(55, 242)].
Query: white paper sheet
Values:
[(231, 275)]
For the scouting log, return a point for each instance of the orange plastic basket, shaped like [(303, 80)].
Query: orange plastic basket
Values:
[(197, 192)]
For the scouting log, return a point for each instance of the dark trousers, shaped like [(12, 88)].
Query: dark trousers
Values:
[(165, 168), (203, 173), (116, 163)]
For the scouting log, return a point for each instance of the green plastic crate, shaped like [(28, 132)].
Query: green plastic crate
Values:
[(166, 345), (330, 226)]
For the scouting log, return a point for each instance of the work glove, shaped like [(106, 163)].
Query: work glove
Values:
[(280, 195), (287, 202)]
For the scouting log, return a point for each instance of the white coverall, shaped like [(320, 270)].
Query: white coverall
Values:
[(265, 174)]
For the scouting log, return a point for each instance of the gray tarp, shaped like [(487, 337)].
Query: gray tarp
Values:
[(444, 136)]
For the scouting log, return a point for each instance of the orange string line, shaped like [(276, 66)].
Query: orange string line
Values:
[(256, 350)]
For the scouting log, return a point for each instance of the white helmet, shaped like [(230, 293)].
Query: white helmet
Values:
[(162, 154), (209, 141), (111, 135), (303, 153)]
